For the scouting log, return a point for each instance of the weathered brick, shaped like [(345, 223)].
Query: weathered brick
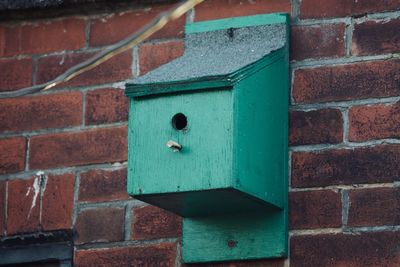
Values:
[(117, 68), (246, 263), (43, 37), (80, 148), (376, 37), (346, 166), (3, 185), (317, 41), (163, 254), (154, 55), (58, 202), (151, 223), (12, 154), (345, 82), (100, 225), (111, 29), (374, 207), (315, 127), (315, 209), (334, 8), (355, 250), (217, 9), (374, 122), (41, 112), (103, 185), (23, 206), (106, 106), (15, 74)]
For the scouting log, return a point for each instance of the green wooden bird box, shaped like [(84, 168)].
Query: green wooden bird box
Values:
[(208, 138)]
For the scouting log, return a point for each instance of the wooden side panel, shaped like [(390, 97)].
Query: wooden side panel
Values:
[(204, 163), (261, 122)]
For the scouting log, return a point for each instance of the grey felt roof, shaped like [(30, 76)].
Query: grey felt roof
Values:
[(219, 52)]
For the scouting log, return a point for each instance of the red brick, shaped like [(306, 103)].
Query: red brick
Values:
[(152, 56), (58, 202), (106, 106), (72, 149), (335, 8), (372, 37), (3, 185), (317, 41), (41, 112), (374, 122), (315, 127), (15, 74), (43, 37), (100, 225), (346, 166), (346, 250), (12, 154), (345, 82), (151, 223), (315, 209), (117, 68), (374, 207), (217, 9), (111, 29), (103, 185), (246, 263), (23, 206), (163, 254)]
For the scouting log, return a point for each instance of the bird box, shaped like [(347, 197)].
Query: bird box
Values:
[(208, 137)]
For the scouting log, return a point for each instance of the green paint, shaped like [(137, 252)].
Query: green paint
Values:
[(230, 180), (205, 161), (238, 22)]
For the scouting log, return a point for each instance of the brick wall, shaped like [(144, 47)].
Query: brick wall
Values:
[(344, 134)]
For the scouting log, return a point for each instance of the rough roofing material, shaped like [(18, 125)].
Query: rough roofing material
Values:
[(219, 53)]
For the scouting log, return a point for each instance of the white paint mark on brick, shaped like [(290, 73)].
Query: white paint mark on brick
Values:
[(35, 188)]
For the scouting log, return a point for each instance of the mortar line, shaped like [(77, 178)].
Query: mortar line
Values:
[(84, 94), (135, 68), (73, 129), (64, 169), (6, 208), (126, 243), (42, 187), (386, 228), (178, 256), (349, 230), (295, 4), (357, 186), (340, 61), (88, 23), (34, 69), (85, 49), (76, 197), (344, 104), (349, 145), (190, 15), (27, 153), (111, 204), (318, 231), (128, 220), (345, 207), (345, 118), (368, 16), (349, 37)]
